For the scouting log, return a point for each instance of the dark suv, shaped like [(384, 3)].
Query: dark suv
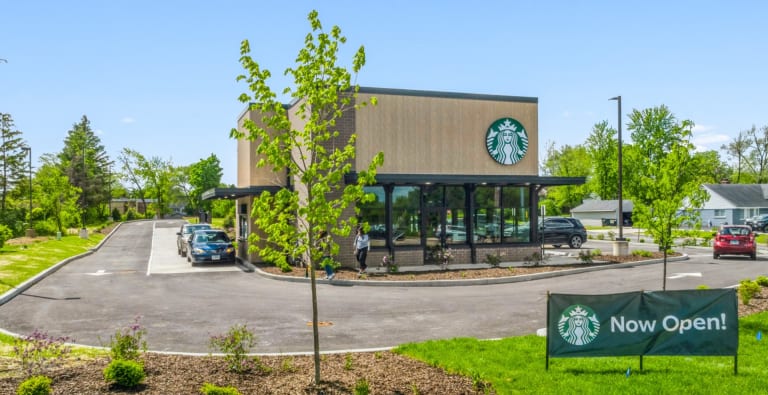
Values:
[(759, 222), (559, 230)]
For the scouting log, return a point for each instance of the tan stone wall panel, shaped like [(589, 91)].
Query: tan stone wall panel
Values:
[(439, 135)]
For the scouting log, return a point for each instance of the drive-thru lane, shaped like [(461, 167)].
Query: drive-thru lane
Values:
[(89, 298)]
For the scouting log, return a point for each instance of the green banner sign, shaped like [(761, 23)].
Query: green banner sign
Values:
[(690, 322)]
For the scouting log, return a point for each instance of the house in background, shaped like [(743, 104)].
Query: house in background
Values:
[(603, 212), (733, 203)]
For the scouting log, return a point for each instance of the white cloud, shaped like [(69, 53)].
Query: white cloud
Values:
[(702, 128), (128, 120)]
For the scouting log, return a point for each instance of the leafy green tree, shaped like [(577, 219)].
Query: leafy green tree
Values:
[(86, 163), (316, 156), (130, 161), (739, 149), (158, 174), (665, 181), (204, 175), (568, 161), (56, 196), (602, 147), (13, 166)]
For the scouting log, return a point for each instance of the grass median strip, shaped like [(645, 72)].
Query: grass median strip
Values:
[(22, 261)]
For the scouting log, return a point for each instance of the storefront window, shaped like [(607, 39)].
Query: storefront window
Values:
[(487, 214), (455, 210), (515, 210), (502, 215), (405, 215), (373, 213)]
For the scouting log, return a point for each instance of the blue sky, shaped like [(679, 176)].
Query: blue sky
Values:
[(159, 76)]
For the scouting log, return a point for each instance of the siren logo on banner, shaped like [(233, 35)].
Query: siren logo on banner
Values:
[(578, 325), (506, 141)]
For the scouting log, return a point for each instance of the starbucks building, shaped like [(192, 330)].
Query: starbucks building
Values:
[(460, 171)]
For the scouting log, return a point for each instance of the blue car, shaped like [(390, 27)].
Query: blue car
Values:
[(210, 245)]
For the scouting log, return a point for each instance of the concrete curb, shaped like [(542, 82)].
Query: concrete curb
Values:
[(13, 292), (474, 281)]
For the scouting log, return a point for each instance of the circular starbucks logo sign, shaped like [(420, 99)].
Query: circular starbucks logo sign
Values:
[(506, 141), (578, 325)]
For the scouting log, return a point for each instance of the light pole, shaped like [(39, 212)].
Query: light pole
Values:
[(622, 246), (31, 230), (84, 230)]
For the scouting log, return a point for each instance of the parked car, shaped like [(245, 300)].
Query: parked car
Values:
[(734, 240), (560, 230), (379, 231), (210, 245), (758, 222), (183, 235)]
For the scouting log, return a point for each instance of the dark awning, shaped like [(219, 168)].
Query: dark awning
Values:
[(454, 179), (234, 193)]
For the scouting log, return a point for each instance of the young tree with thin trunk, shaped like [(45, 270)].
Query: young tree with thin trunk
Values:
[(316, 156), (666, 177)]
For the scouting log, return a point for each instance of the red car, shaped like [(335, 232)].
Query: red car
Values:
[(735, 240)]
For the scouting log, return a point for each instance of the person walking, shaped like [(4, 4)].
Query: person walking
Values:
[(362, 246)]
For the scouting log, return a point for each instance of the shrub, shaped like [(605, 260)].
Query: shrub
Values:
[(611, 235), (600, 236), (211, 389), (236, 344), (702, 286), (37, 385), (128, 343), (5, 234), (762, 281), (585, 256), (116, 214), (45, 228), (642, 253), (362, 387), (493, 259), (130, 215), (127, 374), (747, 290), (597, 252), (38, 352)]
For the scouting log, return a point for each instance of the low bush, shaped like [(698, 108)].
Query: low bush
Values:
[(36, 385), (493, 259), (38, 353), (748, 289), (211, 389), (126, 374), (5, 234), (235, 344), (128, 343), (642, 253), (762, 281)]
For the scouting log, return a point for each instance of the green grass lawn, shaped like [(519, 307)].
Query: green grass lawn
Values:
[(517, 366), (19, 263)]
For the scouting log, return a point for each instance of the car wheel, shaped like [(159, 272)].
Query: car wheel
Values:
[(753, 256), (716, 256), (575, 242)]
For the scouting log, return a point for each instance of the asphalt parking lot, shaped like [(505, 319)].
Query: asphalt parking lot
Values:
[(137, 273)]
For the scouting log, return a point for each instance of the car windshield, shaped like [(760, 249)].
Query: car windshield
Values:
[(211, 237)]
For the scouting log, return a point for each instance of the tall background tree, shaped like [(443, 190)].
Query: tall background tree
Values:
[(567, 161), (204, 175), (602, 147), (14, 165), (86, 163), (316, 156), (664, 176)]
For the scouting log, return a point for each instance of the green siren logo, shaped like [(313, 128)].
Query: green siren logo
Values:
[(506, 141), (578, 325)]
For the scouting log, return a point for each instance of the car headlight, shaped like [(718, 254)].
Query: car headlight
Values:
[(230, 250), (198, 251)]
